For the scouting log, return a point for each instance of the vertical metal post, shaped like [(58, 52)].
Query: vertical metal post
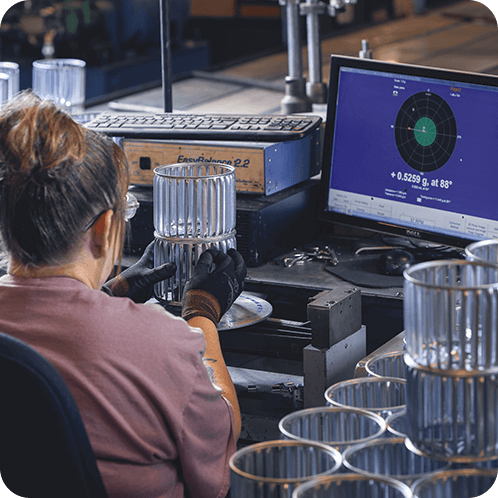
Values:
[(315, 88), (295, 99), (294, 39), (166, 55), (365, 52)]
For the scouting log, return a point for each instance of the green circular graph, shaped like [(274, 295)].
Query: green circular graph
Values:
[(425, 131)]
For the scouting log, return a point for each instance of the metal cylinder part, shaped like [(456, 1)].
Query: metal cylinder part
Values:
[(185, 253), (381, 395), (451, 414), (349, 485), (451, 314), (336, 427), (276, 468), (194, 210), (194, 200), (390, 457)]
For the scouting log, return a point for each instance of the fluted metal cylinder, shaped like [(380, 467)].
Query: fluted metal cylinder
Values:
[(276, 468), (336, 427), (194, 210), (451, 314), (353, 485), (452, 414), (194, 200), (389, 364), (461, 483), (184, 252), (380, 395), (390, 457), (61, 80), (483, 251)]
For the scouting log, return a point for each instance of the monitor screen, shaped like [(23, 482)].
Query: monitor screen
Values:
[(411, 150)]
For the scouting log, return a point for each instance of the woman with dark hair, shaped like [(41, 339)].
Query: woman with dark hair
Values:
[(153, 389)]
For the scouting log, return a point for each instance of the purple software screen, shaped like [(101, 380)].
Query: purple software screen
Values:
[(415, 151)]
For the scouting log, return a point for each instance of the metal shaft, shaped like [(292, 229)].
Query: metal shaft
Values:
[(314, 48), (166, 59), (315, 88), (294, 39), (295, 99)]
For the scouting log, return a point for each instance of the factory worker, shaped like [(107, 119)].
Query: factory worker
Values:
[(153, 389)]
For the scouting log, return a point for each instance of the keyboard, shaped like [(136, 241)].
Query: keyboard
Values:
[(256, 128)]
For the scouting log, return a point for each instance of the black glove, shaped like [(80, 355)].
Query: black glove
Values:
[(137, 282), (211, 291)]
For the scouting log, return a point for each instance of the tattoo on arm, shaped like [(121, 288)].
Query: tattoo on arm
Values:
[(209, 368)]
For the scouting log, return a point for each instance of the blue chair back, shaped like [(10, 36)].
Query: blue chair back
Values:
[(44, 448)]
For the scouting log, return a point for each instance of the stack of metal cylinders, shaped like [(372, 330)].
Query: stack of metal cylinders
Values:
[(451, 331), (194, 208)]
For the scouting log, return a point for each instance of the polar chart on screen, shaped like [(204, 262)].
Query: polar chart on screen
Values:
[(425, 131)]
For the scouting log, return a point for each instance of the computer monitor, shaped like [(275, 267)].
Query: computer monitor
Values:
[(411, 150)]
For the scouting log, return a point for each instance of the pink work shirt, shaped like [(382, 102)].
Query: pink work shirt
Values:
[(157, 425)]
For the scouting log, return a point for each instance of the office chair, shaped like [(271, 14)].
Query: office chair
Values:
[(44, 448)]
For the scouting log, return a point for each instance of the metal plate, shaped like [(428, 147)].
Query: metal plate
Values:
[(246, 310)]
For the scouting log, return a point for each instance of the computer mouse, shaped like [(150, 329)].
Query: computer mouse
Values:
[(395, 261)]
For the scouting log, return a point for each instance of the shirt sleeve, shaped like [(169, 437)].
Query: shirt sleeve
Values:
[(207, 440)]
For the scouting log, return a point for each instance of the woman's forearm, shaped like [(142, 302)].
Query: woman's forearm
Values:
[(215, 363)]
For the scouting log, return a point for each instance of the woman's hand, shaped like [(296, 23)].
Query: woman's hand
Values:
[(137, 282)]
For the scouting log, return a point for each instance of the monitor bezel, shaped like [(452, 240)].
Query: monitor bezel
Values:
[(324, 215)]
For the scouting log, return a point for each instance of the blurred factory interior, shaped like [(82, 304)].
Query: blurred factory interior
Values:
[(120, 39)]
